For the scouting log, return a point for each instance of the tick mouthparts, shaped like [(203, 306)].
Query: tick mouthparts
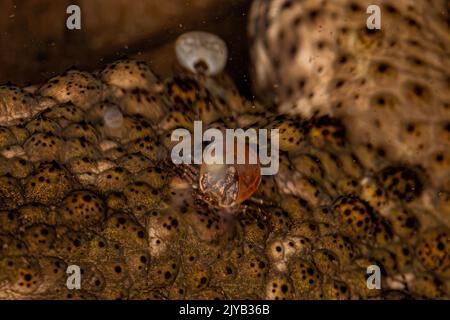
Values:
[(220, 184), (229, 184)]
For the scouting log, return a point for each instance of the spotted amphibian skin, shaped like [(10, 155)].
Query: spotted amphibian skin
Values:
[(89, 182), (17, 104), (390, 86)]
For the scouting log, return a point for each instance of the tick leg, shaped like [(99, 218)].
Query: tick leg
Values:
[(260, 201), (188, 172), (253, 212)]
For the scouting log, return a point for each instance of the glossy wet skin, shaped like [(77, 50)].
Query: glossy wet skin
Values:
[(75, 190)]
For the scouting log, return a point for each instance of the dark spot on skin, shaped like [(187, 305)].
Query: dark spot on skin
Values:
[(418, 90), (354, 7)]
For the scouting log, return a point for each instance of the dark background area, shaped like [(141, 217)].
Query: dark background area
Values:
[(36, 45)]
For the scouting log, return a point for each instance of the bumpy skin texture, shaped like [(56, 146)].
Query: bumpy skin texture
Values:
[(74, 190), (390, 87)]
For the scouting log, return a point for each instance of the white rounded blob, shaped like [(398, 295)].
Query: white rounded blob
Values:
[(113, 118), (201, 52)]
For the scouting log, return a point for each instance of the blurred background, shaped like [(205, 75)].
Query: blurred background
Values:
[(36, 45)]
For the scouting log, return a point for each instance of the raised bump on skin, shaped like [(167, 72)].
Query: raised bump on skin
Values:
[(113, 118)]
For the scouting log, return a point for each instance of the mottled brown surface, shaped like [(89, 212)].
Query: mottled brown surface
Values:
[(390, 87), (75, 188)]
